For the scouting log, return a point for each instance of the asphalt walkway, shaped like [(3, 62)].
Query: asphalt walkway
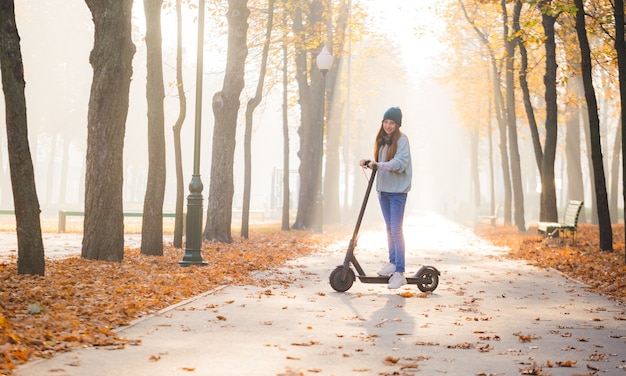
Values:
[(489, 316)]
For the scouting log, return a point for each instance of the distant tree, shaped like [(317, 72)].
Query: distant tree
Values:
[(614, 174), (548, 210), (510, 42), (178, 125), (253, 103), (620, 47), (524, 86), (604, 219), (573, 98), (152, 225), (500, 109), (336, 29), (30, 252), (111, 60), (310, 95), (226, 106), (286, 192), (573, 135)]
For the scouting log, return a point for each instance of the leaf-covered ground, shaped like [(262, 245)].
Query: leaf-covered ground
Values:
[(81, 303), (579, 258)]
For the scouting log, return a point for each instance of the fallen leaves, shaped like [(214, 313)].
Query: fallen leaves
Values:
[(463, 345), (310, 343), (566, 363), (79, 302), (526, 337), (604, 271), (533, 369)]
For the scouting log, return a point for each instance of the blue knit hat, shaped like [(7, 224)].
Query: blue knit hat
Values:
[(395, 114)]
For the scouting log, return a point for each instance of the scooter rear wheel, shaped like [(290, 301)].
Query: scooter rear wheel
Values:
[(431, 278), (337, 280)]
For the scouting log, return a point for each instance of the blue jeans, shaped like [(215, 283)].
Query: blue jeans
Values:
[(392, 205)]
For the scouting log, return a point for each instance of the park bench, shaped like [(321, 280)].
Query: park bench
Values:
[(493, 217), (568, 225), (63, 214)]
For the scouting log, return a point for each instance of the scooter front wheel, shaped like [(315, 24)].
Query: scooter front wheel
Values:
[(429, 279), (342, 282)]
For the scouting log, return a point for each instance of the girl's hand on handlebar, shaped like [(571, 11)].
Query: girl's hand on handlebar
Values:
[(366, 163)]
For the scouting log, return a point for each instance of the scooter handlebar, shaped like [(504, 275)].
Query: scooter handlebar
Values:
[(368, 164)]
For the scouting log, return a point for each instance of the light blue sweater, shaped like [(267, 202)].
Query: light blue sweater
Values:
[(395, 176)]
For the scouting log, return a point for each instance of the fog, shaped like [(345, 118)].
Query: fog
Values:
[(57, 37)]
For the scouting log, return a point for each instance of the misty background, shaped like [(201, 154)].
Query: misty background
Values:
[(57, 37)]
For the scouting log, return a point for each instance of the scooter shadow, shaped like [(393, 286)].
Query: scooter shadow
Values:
[(381, 318), (397, 297)]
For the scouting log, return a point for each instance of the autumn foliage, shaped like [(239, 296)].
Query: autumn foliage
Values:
[(81, 302), (579, 258)]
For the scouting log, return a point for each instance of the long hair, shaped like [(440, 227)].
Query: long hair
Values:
[(382, 139)]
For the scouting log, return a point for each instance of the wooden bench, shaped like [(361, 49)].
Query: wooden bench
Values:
[(568, 225), (63, 214), (492, 217)]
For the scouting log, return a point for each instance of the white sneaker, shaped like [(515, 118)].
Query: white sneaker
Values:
[(396, 281), (387, 270)]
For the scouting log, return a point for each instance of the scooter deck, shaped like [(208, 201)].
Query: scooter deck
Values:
[(381, 279)]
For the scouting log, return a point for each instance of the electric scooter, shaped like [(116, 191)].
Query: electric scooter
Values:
[(342, 277)]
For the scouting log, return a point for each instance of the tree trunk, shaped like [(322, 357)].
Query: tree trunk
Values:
[(620, 47), (615, 162), (310, 120), (152, 225), (575, 186), (336, 38), (604, 219), (111, 60), (511, 117), (523, 73), (332, 212), (286, 191), (30, 253), (225, 108), (584, 114), (252, 105), (492, 184), (474, 173), (548, 211), (178, 125)]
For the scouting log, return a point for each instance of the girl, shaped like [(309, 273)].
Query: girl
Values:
[(392, 159)]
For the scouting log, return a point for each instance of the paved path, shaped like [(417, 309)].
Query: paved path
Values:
[(489, 316)]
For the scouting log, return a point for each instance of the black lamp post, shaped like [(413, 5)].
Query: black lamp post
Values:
[(324, 62), (193, 246)]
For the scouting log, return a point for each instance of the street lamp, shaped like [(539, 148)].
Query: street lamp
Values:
[(324, 62), (193, 246)]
